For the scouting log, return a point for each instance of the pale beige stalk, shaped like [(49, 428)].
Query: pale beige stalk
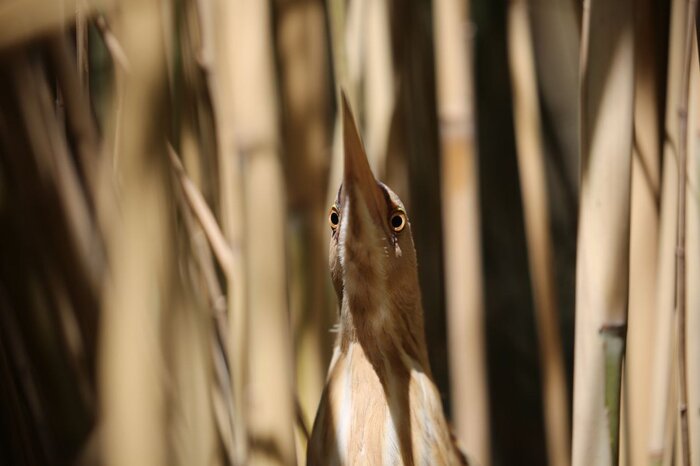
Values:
[(644, 220), (218, 59), (354, 40), (346, 26), (680, 279), (378, 84), (693, 262), (199, 417), (602, 269), (254, 114), (531, 166), (137, 296), (193, 434), (218, 394), (462, 240), (661, 421)]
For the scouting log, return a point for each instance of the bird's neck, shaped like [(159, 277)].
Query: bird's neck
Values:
[(389, 332)]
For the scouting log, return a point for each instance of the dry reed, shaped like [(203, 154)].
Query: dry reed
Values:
[(644, 234), (662, 419), (461, 228), (602, 269), (531, 167)]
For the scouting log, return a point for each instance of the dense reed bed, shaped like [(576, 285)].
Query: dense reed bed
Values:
[(166, 173)]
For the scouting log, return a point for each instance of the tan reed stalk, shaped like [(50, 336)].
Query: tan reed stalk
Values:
[(680, 293), (378, 84), (192, 435), (662, 422), (200, 401), (693, 262), (533, 184), (197, 220), (218, 26), (345, 24), (136, 299), (602, 270), (644, 234), (462, 242), (270, 406)]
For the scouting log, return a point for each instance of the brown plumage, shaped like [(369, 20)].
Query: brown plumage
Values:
[(380, 405)]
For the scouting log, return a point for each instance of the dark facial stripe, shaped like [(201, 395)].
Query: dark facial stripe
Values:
[(387, 197), (337, 196)]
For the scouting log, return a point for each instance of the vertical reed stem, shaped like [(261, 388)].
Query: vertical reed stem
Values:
[(531, 168), (681, 232), (462, 231), (602, 269)]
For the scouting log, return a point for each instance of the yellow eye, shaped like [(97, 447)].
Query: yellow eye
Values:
[(334, 218), (398, 220)]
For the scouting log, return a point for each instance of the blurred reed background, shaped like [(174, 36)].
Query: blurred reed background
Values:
[(166, 170)]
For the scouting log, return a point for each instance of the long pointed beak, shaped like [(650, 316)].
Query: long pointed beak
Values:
[(359, 185)]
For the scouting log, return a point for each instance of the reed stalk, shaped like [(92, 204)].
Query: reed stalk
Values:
[(662, 421), (461, 228), (531, 167), (602, 270), (270, 406), (345, 33), (378, 75), (200, 408), (205, 237), (693, 261), (681, 298), (644, 236), (218, 62), (137, 297)]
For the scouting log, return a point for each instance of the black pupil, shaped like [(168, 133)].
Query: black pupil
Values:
[(396, 221), (334, 218)]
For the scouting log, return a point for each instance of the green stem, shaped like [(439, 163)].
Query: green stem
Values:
[(614, 348)]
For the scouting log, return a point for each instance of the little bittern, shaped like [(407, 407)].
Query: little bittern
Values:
[(380, 405)]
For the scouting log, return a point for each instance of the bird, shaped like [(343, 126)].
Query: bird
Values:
[(380, 404)]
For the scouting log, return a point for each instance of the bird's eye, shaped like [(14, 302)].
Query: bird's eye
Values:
[(398, 220), (334, 218)]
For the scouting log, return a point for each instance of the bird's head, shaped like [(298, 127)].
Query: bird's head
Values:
[(372, 256)]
